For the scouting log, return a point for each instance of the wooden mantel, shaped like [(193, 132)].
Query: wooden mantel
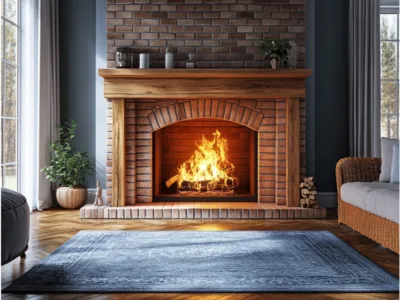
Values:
[(204, 73), (289, 84), (205, 83)]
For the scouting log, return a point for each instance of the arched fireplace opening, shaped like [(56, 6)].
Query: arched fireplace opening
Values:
[(205, 159)]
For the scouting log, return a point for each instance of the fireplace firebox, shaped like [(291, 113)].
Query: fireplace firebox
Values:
[(205, 160)]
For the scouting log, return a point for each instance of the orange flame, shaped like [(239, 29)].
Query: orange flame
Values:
[(209, 163)]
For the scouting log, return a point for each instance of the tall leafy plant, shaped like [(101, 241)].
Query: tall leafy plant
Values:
[(276, 49), (67, 167)]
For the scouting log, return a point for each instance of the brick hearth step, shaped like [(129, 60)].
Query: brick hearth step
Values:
[(201, 210)]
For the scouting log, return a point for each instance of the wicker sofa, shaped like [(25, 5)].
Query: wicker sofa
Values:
[(381, 230)]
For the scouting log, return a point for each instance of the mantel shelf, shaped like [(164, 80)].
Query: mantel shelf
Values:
[(203, 73), (204, 83)]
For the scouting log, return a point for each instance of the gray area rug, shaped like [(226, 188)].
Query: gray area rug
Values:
[(205, 261)]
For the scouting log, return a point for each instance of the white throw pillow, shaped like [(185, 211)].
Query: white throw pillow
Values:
[(394, 175), (387, 153)]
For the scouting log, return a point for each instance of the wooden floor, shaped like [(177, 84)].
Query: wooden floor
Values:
[(50, 229)]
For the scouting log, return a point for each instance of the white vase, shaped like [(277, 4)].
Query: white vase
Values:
[(169, 60), (274, 63), (144, 61)]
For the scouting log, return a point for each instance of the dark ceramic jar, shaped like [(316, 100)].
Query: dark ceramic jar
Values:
[(124, 57)]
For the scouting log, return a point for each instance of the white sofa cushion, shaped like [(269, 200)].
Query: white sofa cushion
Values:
[(394, 175), (378, 198), (384, 203), (386, 153)]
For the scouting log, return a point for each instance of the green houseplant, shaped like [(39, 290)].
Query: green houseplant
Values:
[(276, 51), (68, 168)]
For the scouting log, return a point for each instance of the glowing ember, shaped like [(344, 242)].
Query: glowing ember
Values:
[(208, 169)]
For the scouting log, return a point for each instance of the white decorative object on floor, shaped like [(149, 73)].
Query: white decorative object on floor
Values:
[(98, 201)]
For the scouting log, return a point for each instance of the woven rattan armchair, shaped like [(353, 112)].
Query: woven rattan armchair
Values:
[(381, 230)]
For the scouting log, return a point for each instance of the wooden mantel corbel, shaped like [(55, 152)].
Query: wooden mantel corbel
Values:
[(289, 84)]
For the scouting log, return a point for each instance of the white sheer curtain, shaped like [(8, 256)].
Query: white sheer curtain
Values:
[(39, 96)]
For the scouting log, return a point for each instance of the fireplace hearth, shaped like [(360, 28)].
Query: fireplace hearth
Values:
[(214, 136)]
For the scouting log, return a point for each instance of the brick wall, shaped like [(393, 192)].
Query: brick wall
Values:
[(221, 33)]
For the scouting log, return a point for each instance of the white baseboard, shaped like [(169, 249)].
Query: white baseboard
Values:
[(327, 200)]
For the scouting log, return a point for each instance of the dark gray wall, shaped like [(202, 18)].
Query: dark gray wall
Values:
[(101, 103), (331, 94), (310, 90), (77, 72)]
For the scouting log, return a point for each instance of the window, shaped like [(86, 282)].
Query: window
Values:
[(389, 31), (10, 33)]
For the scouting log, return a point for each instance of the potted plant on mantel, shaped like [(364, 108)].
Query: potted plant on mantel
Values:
[(68, 168), (276, 51)]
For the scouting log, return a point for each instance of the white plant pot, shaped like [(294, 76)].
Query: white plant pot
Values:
[(71, 197), (274, 63)]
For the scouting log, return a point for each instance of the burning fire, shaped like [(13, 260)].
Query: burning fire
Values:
[(208, 168)]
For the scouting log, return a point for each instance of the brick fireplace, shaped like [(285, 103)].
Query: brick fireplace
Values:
[(157, 117), (156, 135)]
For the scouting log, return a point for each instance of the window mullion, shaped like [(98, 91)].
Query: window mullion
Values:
[(3, 101), (18, 139)]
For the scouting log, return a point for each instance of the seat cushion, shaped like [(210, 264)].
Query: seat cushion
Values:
[(14, 225), (11, 199), (381, 199), (386, 153), (394, 173)]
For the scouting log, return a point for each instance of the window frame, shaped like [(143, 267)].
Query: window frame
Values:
[(391, 7), (17, 25)]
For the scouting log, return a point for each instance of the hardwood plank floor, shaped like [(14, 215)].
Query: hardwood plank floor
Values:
[(51, 228)]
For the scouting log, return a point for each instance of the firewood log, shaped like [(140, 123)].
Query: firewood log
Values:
[(171, 181), (203, 185), (175, 178)]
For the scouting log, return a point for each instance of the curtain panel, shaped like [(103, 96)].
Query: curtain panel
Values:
[(49, 90), (364, 71), (40, 112)]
